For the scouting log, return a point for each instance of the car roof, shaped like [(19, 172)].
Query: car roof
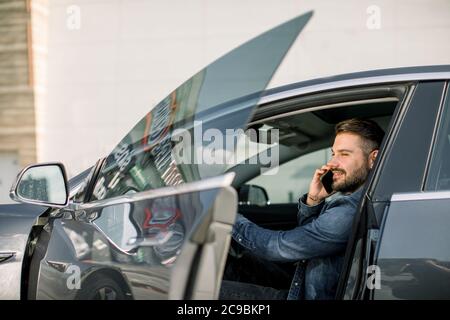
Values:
[(432, 72)]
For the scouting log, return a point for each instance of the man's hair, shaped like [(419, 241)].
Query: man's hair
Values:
[(368, 130)]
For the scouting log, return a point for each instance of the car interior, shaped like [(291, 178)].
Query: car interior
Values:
[(306, 127)]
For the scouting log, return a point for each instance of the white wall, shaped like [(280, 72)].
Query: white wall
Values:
[(9, 167), (127, 55)]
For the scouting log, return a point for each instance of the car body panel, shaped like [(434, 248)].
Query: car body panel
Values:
[(392, 75), (141, 239), (413, 254), (16, 222)]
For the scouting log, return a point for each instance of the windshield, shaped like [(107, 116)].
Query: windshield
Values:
[(192, 133)]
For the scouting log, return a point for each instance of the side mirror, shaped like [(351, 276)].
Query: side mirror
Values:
[(42, 184), (253, 195)]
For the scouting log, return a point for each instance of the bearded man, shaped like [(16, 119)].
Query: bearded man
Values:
[(318, 242)]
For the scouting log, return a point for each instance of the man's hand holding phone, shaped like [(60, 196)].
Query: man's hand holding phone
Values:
[(320, 186)]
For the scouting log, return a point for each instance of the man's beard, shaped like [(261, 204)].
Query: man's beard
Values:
[(351, 182)]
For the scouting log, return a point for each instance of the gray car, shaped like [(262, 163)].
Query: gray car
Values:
[(152, 220)]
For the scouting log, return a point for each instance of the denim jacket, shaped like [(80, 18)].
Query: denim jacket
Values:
[(318, 243)]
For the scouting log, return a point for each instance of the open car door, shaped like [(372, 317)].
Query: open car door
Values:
[(154, 221)]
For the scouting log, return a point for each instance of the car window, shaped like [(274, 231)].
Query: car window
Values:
[(186, 137), (439, 171), (293, 177)]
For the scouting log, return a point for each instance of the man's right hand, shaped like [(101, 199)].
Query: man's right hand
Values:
[(317, 192)]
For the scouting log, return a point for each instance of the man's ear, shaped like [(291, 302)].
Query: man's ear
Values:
[(372, 157)]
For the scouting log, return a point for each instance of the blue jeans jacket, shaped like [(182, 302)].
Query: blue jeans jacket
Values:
[(318, 243)]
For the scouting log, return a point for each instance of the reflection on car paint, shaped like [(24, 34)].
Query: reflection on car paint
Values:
[(141, 239)]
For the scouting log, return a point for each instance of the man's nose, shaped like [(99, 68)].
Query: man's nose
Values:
[(333, 162)]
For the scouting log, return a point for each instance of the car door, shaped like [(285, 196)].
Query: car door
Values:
[(154, 220), (413, 252), (389, 233)]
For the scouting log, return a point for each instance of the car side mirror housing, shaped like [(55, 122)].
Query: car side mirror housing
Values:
[(42, 184), (250, 194)]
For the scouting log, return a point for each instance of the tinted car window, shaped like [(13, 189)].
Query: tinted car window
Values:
[(168, 145), (439, 172)]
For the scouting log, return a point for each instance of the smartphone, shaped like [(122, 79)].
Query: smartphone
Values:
[(327, 181)]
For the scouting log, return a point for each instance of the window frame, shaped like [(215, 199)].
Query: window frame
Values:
[(430, 176)]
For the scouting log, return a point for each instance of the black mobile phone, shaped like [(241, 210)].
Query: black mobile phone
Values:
[(327, 181)]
